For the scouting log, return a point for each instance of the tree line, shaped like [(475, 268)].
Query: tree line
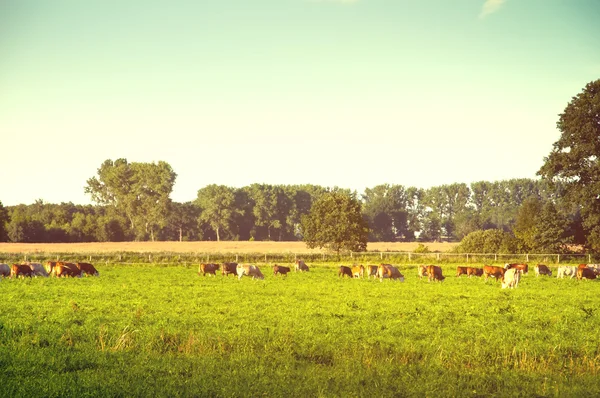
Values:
[(549, 214)]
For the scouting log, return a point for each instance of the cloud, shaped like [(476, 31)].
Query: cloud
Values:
[(490, 6)]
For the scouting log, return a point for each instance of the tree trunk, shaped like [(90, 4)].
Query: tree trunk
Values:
[(181, 234), (217, 231)]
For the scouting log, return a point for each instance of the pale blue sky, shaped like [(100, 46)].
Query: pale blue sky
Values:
[(347, 93)]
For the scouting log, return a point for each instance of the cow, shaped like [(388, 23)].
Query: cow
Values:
[(371, 271), (422, 271), (61, 268), (345, 271), (208, 268), (37, 269), (249, 270), (566, 270), (522, 267), (358, 271), (389, 271), (435, 273), (541, 269), (496, 272), (87, 268), (473, 271), (17, 270), (462, 271), (586, 273), (511, 279), (281, 270), (301, 266), (229, 269), (4, 270)]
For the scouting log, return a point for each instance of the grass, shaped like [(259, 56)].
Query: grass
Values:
[(157, 330)]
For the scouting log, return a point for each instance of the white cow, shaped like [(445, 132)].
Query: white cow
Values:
[(512, 277), (37, 269), (4, 270), (566, 270), (249, 270)]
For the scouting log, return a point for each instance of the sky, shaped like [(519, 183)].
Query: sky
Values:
[(347, 93)]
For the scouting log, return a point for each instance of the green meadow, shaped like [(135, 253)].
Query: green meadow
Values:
[(163, 331)]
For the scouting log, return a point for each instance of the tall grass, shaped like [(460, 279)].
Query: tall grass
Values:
[(164, 331)]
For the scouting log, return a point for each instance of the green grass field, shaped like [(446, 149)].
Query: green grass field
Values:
[(164, 331)]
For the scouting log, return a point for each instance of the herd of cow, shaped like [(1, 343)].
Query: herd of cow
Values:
[(510, 274), (51, 268)]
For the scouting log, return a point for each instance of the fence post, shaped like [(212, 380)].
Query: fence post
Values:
[(589, 258), (265, 257), (467, 257), (409, 257), (558, 258), (351, 255), (236, 258), (495, 257), (323, 256), (438, 256), (527, 257), (295, 257)]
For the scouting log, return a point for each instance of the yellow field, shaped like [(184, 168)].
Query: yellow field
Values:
[(203, 247)]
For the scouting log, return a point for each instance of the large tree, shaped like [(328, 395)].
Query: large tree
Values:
[(217, 204), (575, 159), (3, 223), (335, 222), (139, 191)]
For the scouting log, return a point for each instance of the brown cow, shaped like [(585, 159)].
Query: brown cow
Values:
[(17, 270), (542, 269), (249, 270), (301, 266), (523, 267), (462, 271), (345, 271), (65, 269), (473, 271), (435, 273), (389, 271), (208, 268), (422, 271), (229, 269), (280, 269), (87, 269), (371, 271), (358, 271), (495, 272), (586, 273)]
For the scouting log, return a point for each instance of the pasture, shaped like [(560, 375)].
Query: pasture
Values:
[(164, 331)]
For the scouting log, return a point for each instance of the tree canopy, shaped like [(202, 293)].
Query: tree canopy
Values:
[(336, 222), (575, 159)]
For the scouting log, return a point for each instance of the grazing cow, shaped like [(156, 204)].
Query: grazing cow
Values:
[(87, 268), (229, 269), (371, 271), (541, 269), (65, 269), (280, 269), (358, 271), (301, 266), (511, 279), (473, 271), (249, 270), (566, 270), (422, 271), (208, 268), (389, 271), (586, 273), (495, 272), (20, 269), (523, 267), (462, 271), (345, 271), (4, 270), (435, 273), (37, 269)]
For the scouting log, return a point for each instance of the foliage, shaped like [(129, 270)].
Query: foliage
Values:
[(335, 222), (217, 204), (421, 248), (575, 159), (488, 241), (139, 191), (3, 223)]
